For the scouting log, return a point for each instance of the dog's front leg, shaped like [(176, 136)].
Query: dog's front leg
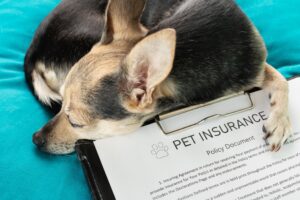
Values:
[(277, 128)]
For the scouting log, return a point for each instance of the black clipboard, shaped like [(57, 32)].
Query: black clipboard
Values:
[(94, 171)]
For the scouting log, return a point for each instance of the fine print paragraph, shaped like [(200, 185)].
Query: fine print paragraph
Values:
[(247, 175)]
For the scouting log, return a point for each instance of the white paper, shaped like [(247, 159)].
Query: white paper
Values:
[(237, 165)]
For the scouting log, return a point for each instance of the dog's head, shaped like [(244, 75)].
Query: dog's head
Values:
[(116, 86)]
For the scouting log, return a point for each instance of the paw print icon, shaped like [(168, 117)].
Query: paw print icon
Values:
[(159, 150)]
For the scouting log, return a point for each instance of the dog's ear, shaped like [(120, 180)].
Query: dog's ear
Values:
[(146, 66), (122, 20)]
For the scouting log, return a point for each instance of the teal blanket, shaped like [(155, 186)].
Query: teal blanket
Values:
[(26, 173)]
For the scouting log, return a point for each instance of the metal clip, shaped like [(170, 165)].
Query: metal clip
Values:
[(184, 110)]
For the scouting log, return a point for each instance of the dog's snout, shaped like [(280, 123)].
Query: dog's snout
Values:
[(38, 139)]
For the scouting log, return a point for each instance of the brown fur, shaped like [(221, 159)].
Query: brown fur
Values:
[(122, 25)]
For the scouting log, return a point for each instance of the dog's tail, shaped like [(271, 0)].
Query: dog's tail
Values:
[(35, 79), (42, 90)]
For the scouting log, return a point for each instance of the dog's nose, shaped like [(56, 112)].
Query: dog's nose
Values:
[(38, 139)]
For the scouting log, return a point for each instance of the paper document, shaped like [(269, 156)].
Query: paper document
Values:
[(223, 159)]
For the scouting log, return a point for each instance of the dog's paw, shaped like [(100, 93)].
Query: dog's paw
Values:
[(277, 129)]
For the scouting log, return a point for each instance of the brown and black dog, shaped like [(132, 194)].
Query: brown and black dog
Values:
[(193, 52)]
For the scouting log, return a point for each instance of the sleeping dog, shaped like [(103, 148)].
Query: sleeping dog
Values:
[(111, 73)]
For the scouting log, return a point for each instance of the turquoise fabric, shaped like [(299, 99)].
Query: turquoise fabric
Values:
[(279, 23), (26, 173)]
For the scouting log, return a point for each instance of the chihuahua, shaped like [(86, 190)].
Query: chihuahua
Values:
[(193, 52)]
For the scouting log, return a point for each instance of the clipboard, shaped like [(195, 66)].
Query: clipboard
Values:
[(92, 166)]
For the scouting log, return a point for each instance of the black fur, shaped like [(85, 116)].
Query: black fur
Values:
[(216, 50), (104, 100), (156, 10)]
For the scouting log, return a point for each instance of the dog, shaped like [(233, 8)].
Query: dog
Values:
[(196, 51)]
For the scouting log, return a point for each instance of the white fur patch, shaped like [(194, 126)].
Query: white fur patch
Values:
[(42, 90)]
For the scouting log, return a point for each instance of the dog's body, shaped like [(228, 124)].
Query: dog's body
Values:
[(133, 74)]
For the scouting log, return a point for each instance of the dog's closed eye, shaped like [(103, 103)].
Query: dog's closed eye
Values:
[(73, 123)]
